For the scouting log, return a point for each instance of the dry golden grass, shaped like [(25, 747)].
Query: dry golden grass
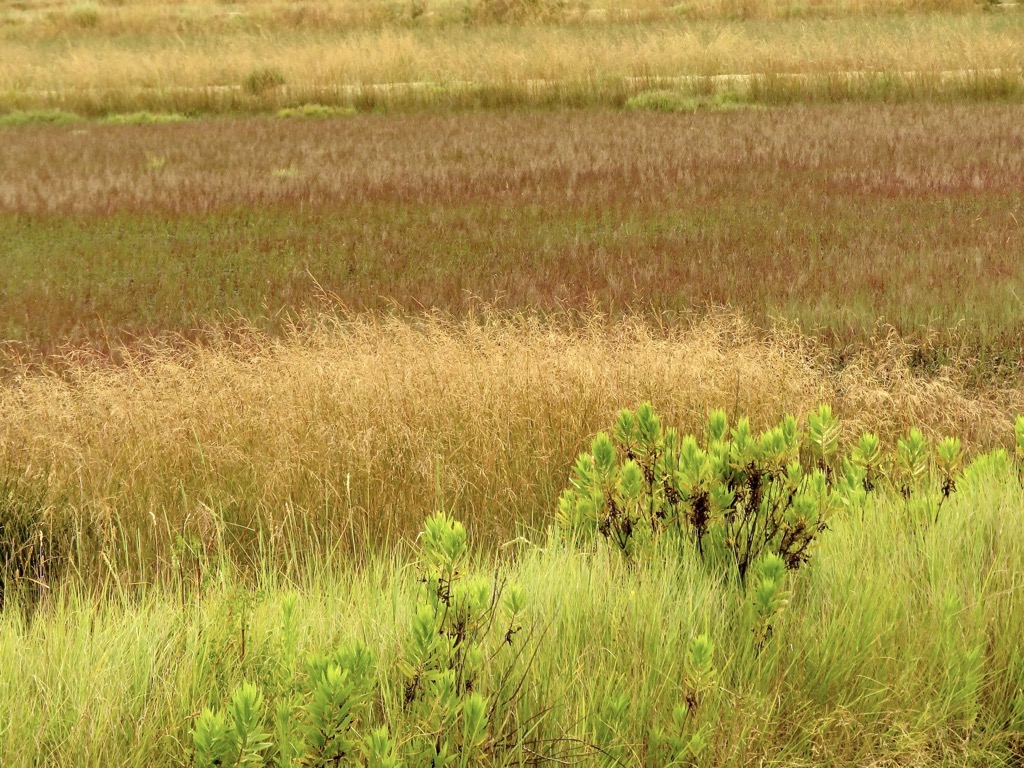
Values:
[(43, 18), (350, 431), (208, 70)]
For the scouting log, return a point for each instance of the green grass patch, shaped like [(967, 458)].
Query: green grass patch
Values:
[(677, 101), (893, 647), (315, 111), (41, 116), (144, 118), (60, 117)]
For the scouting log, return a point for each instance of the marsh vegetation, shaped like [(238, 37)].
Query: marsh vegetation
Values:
[(318, 326)]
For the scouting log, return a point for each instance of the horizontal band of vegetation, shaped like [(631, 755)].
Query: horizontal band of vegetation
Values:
[(658, 93), (515, 65), (896, 646), (350, 433), (70, 18), (842, 219)]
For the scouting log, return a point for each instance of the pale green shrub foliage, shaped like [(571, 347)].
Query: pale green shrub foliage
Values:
[(738, 497), (682, 740), (735, 496), (462, 627), (457, 671), (911, 466)]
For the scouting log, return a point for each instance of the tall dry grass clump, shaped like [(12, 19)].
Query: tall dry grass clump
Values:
[(350, 431)]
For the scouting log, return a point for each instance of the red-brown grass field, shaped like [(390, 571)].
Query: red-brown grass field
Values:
[(836, 217)]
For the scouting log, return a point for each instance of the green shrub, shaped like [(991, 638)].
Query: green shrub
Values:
[(461, 627), (911, 465), (457, 672), (734, 495), (737, 497), (751, 505), (318, 722), (233, 738), (661, 101)]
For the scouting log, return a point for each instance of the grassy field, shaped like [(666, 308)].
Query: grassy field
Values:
[(347, 434), (253, 68), (835, 217), (895, 647), (43, 18), (283, 285)]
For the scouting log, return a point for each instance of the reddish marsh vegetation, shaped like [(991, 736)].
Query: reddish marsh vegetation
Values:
[(831, 216)]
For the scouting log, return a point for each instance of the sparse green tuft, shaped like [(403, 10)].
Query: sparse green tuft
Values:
[(145, 118), (682, 101), (316, 111), (44, 116)]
